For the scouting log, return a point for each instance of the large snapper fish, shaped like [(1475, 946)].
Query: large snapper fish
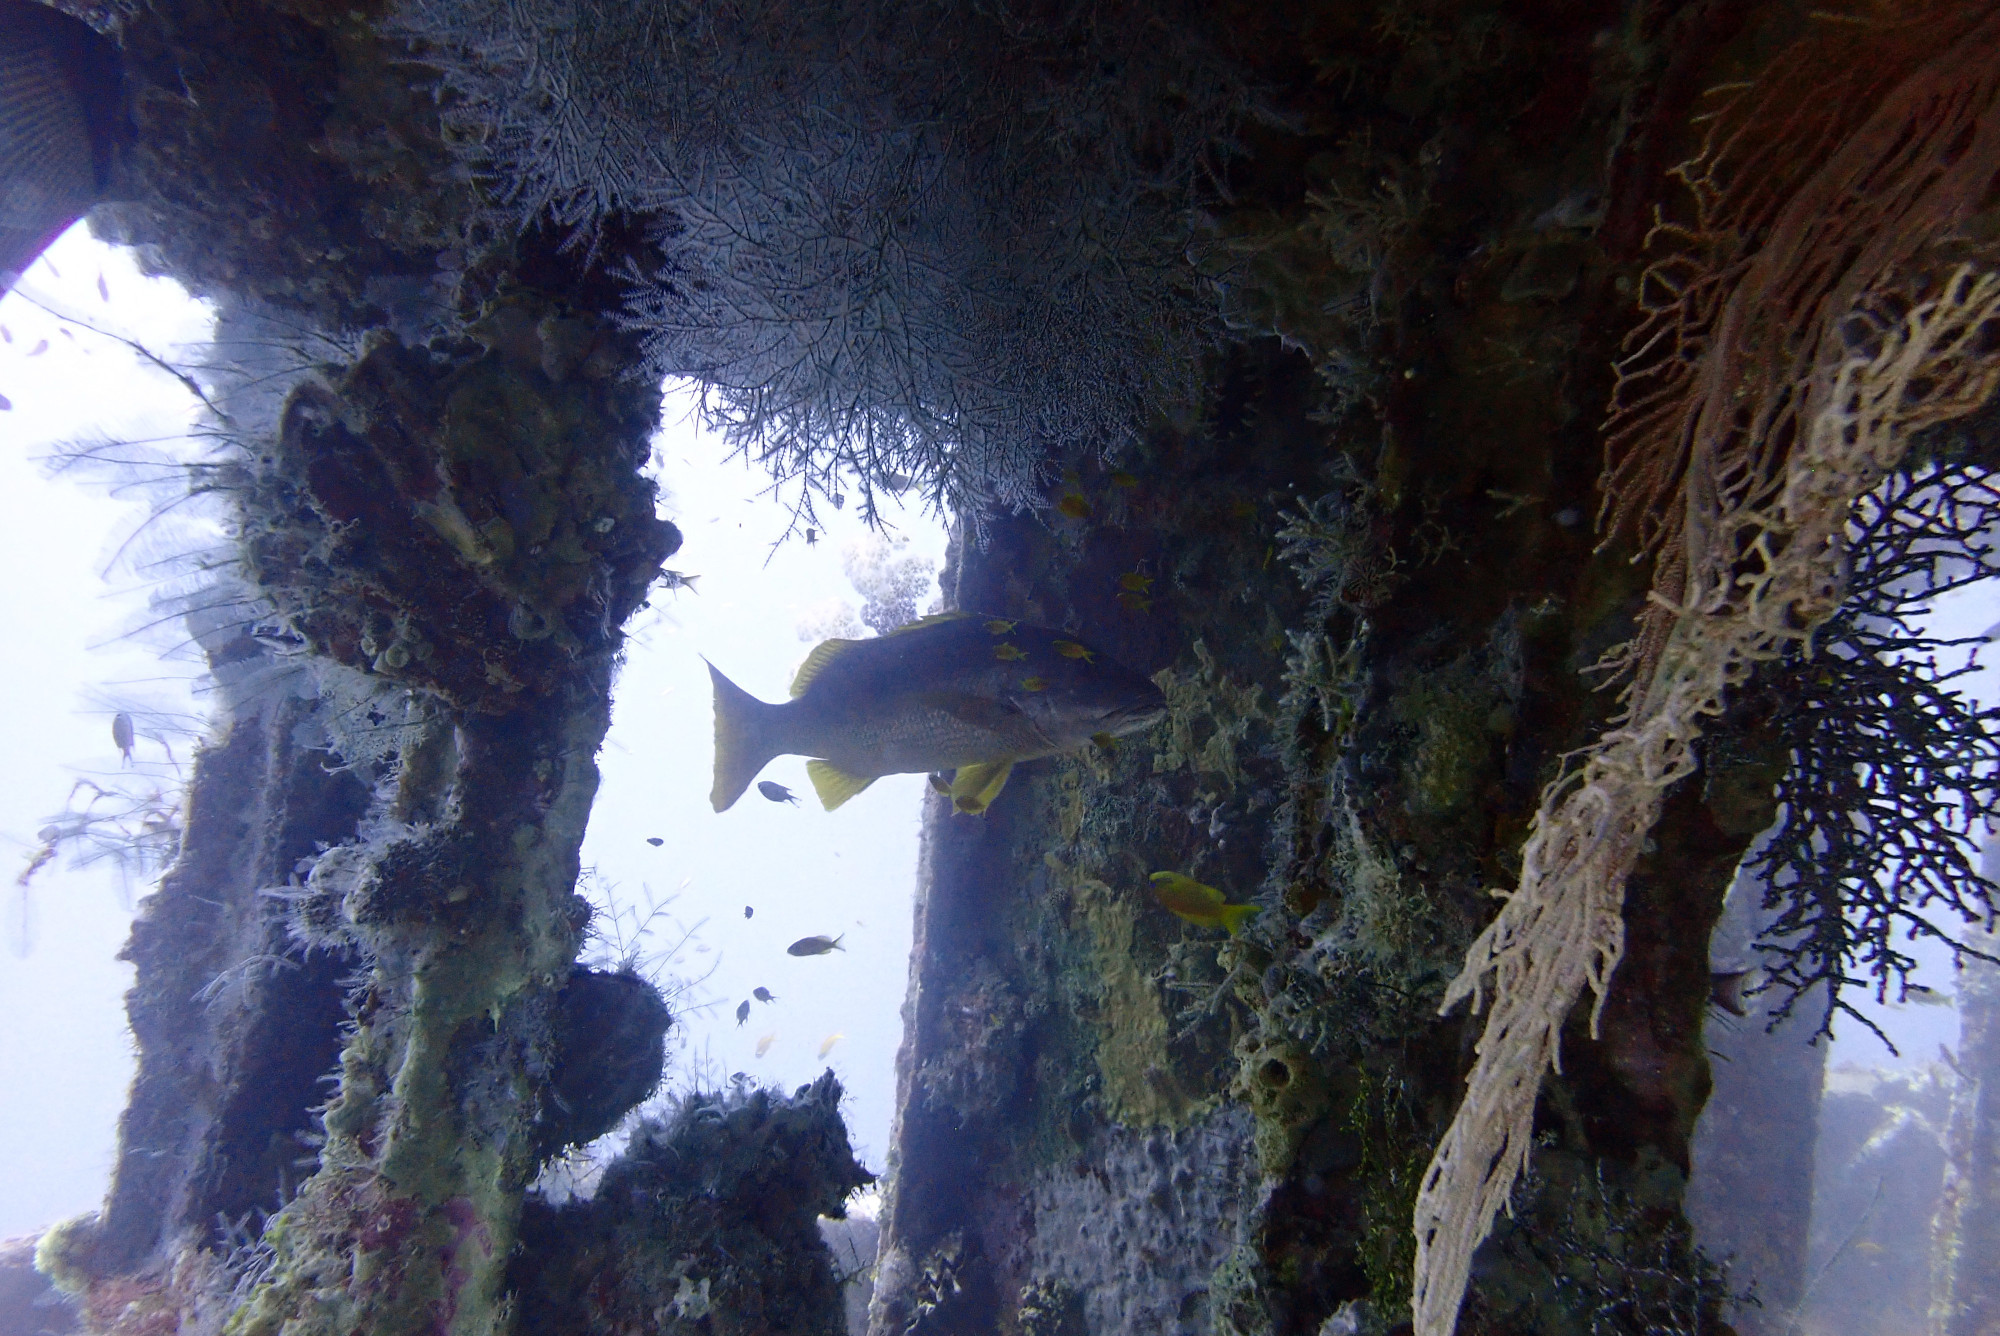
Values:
[(958, 691)]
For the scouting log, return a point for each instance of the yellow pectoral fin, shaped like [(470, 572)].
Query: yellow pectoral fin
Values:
[(974, 787), (834, 785)]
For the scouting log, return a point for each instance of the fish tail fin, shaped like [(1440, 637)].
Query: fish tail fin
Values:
[(743, 743), (61, 108), (1235, 916)]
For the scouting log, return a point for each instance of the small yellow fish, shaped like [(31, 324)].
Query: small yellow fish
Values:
[(1009, 651), (764, 1044), (815, 946), (831, 1040), (1074, 506), (1069, 649), (1203, 906), (1132, 602), (1000, 626), (1125, 480), (1035, 684), (1136, 583)]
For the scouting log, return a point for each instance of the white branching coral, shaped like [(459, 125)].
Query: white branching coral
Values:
[(927, 242), (893, 581), (1770, 569)]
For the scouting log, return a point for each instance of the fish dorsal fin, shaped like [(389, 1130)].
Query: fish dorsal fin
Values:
[(834, 785), (935, 619), (828, 650), (825, 652)]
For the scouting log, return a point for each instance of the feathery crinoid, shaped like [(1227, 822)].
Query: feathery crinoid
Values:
[(1853, 151), (1819, 311)]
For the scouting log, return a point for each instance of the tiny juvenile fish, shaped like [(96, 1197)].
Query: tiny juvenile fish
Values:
[(832, 1039), (763, 995), (1009, 652), (1728, 990), (778, 793), (655, 841), (1135, 583), (1203, 906), (764, 1044), (122, 736), (1074, 506), (815, 946), (749, 912), (1124, 480), (928, 697), (1000, 626), (743, 1011)]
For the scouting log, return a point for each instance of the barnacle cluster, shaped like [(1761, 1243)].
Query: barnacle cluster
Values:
[(1579, 1257), (705, 1223), (453, 522)]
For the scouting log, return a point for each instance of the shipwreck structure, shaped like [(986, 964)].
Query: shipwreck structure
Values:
[(1514, 436)]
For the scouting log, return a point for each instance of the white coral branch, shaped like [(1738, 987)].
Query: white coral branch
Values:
[(1778, 571)]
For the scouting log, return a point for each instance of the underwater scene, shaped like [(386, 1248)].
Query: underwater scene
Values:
[(1000, 668)]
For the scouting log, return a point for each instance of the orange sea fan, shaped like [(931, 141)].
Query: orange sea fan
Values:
[(1854, 150)]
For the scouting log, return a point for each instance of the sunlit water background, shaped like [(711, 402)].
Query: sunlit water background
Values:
[(674, 878)]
